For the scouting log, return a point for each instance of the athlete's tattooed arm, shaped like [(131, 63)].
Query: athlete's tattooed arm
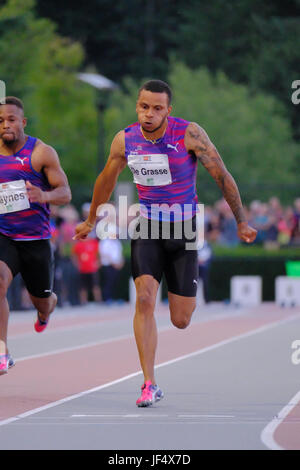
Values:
[(198, 143)]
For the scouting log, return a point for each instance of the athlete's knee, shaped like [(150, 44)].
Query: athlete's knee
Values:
[(145, 301), (6, 278), (182, 318), (3, 286), (45, 305), (181, 322), (146, 290)]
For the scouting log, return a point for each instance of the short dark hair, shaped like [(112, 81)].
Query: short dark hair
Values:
[(13, 100), (157, 86)]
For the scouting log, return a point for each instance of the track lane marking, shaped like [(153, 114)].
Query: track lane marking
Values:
[(163, 364), (267, 435)]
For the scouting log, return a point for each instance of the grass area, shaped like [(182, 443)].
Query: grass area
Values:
[(244, 251), (256, 251)]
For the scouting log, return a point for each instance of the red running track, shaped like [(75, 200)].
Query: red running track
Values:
[(39, 381)]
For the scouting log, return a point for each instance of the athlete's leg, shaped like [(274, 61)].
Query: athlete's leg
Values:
[(181, 309), (37, 269), (181, 273), (5, 279), (145, 325), (147, 262), (45, 305)]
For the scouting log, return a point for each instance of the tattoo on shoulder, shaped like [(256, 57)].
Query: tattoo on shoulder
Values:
[(206, 152), (200, 139)]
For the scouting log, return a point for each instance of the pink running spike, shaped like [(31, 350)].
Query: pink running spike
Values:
[(40, 325), (3, 364), (150, 394)]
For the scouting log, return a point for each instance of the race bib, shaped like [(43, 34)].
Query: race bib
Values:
[(13, 197), (150, 169)]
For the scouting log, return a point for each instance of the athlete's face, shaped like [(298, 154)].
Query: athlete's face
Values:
[(12, 123), (153, 110)]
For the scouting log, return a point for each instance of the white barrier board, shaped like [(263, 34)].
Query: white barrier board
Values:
[(246, 290), (287, 291)]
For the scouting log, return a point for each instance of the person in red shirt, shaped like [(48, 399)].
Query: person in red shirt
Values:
[(86, 257)]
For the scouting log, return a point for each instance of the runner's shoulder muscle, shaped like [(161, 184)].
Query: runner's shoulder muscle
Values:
[(117, 150), (43, 155)]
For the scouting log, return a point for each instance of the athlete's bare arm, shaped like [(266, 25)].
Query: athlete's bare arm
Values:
[(44, 158), (198, 143), (105, 183)]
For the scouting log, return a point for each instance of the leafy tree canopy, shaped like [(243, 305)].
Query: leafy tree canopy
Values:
[(41, 67)]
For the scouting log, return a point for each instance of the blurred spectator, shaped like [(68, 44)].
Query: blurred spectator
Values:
[(277, 226), (296, 230), (55, 222), (228, 226), (275, 208), (286, 226), (271, 232), (204, 262), (112, 261), (212, 224), (86, 258), (70, 275), (259, 220), (15, 294), (85, 209)]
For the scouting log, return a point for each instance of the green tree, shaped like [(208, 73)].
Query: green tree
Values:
[(121, 38), (275, 62), (41, 68), (252, 42), (250, 130)]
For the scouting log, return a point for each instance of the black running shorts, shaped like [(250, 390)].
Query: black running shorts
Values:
[(162, 254), (34, 260)]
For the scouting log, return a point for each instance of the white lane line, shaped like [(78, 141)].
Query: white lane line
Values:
[(81, 346), (206, 416), (148, 416), (119, 416), (73, 348), (121, 337), (260, 329), (267, 435), (172, 361), (162, 329), (66, 399)]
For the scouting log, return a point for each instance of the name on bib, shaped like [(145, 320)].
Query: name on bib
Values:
[(150, 169), (13, 197)]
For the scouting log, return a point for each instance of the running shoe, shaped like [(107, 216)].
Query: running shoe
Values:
[(11, 362), (150, 394), (40, 325), (3, 364)]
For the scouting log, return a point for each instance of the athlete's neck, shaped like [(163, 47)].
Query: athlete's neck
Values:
[(155, 135), (10, 148)]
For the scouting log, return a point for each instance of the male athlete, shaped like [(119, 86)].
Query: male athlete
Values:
[(31, 178), (162, 153)]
